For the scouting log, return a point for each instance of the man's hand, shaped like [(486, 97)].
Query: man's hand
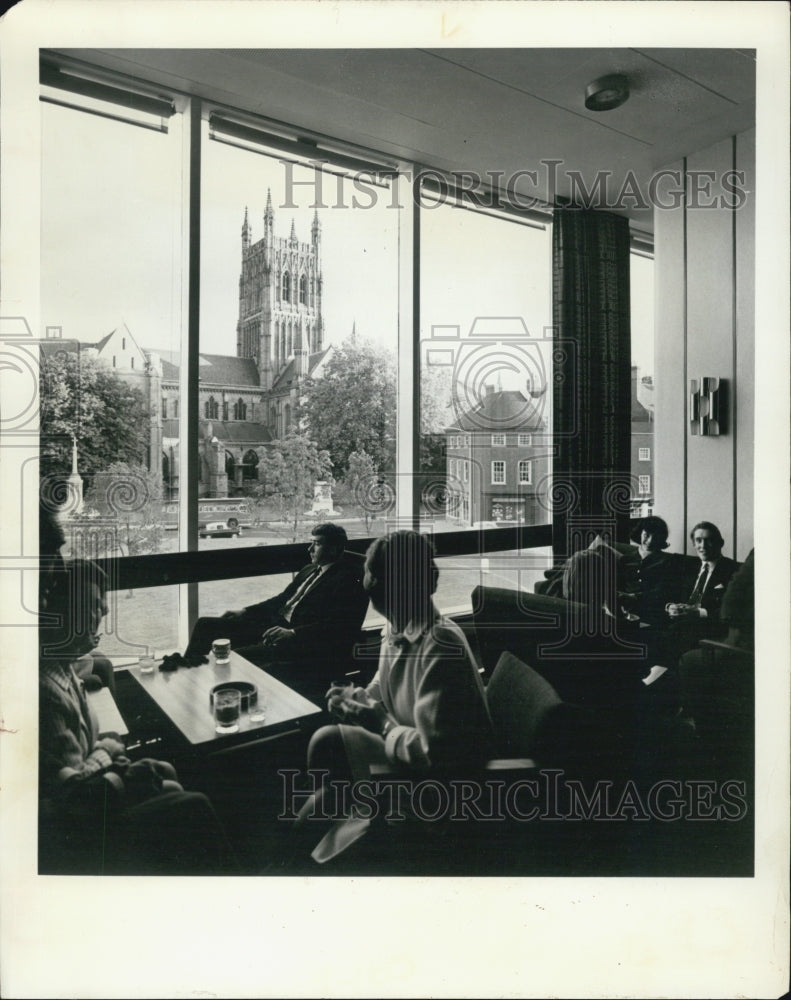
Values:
[(277, 636), (233, 614), (683, 610)]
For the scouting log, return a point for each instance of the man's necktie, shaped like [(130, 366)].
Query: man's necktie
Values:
[(299, 593), (700, 585)]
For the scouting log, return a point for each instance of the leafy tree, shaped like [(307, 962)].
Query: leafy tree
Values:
[(80, 396), (288, 473), (131, 497), (352, 406), (362, 481), (436, 413)]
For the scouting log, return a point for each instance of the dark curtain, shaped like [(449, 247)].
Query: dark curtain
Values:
[(592, 377)]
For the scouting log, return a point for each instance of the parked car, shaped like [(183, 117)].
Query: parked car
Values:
[(219, 529)]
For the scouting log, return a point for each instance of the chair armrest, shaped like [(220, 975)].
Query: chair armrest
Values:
[(726, 647), (511, 764)]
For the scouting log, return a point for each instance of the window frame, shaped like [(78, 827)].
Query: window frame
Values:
[(529, 463), (188, 565), (499, 482)]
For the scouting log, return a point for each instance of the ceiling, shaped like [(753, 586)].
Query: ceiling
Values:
[(480, 110)]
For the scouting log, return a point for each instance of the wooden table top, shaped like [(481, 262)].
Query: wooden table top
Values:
[(184, 696)]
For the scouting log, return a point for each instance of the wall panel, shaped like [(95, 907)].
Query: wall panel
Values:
[(704, 273), (709, 335), (669, 394), (744, 379)]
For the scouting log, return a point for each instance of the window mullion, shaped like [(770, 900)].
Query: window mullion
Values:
[(190, 347), (408, 408)]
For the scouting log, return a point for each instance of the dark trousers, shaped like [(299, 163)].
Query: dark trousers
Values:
[(241, 631), (173, 833)]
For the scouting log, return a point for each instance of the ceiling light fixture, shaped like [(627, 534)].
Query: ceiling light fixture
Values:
[(607, 92)]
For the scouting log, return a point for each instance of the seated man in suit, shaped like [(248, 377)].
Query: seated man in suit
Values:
[(697, 615), (303, 632), (700, 612)]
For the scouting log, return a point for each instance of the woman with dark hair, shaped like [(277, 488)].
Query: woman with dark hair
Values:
[(658, 574)]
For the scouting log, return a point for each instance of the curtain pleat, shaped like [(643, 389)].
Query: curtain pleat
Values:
[(592, 377)]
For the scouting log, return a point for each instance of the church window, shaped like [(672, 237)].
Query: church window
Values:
[(249, 465), (286, 286), (123, 343), (240, 410), (164, 407), (133, 362), (212, 409), (175, 407), (225, 409), (113, 361), (303, 290), (287, 427)]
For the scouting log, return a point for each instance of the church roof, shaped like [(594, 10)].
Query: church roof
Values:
[(289, 372), (228, 431), (508, 409), (213, 369)]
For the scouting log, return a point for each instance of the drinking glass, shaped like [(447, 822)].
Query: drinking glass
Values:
[(222, 651), (257, 712), (227, 708)]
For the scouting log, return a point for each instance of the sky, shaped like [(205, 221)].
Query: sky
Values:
[(111, 249)]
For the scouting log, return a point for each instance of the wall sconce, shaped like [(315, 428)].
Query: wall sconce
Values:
[(708, 406)]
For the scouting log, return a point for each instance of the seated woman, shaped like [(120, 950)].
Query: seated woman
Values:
[(425, 709), (99, 812), (658, 573)]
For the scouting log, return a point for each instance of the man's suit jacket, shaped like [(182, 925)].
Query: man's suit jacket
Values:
[(718, 580), (331, 612)]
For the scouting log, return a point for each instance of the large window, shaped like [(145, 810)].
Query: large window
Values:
[(642, 402), (299, 305), (111, 300), (307, 315)]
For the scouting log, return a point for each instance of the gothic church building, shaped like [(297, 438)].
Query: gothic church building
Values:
[(250, 399)]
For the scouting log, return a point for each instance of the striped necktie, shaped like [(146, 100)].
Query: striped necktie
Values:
[(700, 585)]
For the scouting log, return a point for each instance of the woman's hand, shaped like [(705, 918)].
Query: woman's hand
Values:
[(355, 707)]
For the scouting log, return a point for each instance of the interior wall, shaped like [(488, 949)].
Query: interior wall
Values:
[(705, 326)]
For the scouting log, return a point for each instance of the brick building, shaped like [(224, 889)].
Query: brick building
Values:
[(498, 462)]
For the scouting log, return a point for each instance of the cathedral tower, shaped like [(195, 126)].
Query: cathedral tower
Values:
[(279, 298)]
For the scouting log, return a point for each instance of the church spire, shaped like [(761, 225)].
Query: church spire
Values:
[(315, 229), (293, 236), (269, 218), (245, 231)]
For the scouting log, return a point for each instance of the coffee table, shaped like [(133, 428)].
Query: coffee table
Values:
[(184, 696)]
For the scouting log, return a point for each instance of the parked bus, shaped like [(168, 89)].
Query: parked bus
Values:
[(234, 511)]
